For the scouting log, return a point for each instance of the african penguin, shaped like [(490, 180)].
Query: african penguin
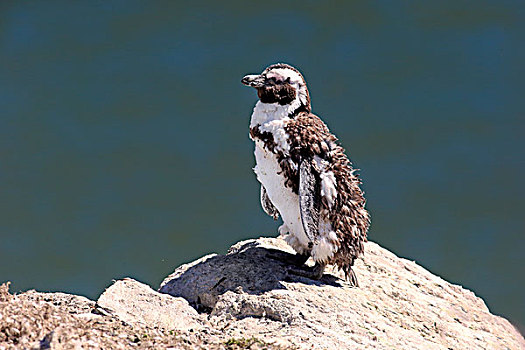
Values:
[(305, 176)]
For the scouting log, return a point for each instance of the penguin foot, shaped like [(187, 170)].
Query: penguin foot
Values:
[(312, 272), (297, 259)]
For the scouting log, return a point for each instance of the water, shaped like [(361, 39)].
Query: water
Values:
[(124, 133)]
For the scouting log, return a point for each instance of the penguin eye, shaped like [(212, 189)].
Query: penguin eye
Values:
[(276, 80)]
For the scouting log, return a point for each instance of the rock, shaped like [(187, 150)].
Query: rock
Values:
[(34, 320), (247, 268), (398, 305), (73, 304), (247, 300), (136, 303)]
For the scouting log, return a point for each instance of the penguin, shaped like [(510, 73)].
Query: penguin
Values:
[(306, 177)]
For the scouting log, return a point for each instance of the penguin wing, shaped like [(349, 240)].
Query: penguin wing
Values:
[(309, 201), (267, 204)]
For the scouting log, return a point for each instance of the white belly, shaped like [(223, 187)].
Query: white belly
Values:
[(268, 173)]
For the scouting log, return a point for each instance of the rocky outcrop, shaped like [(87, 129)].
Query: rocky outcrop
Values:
[(247, 299), (399, 305)]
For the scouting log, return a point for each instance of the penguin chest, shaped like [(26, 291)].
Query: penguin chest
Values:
[(270, 175)]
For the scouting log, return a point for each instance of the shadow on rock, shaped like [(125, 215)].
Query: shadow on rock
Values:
[(246, 269)]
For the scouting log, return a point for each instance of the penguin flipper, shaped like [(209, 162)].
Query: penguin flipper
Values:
[(267, 204), (309, 201)]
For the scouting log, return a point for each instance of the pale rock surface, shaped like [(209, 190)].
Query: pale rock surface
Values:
[(398, 305), (247, 300), (60, 321), (136, 303)]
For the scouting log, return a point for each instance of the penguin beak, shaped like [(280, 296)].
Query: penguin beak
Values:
[(253, 80)]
